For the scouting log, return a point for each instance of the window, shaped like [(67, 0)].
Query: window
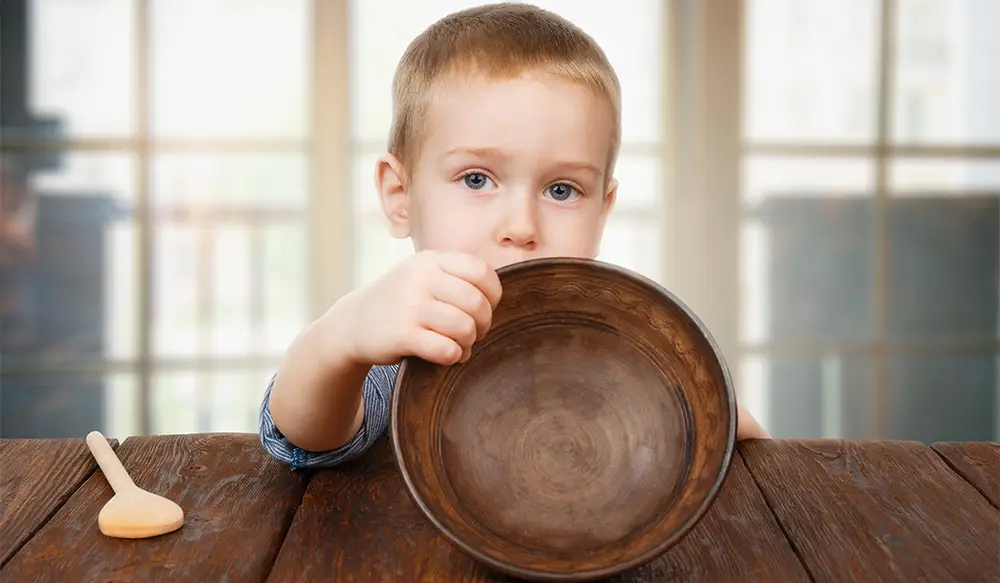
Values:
[(186, 183), (871, 218), (178, 167), (160, 210)]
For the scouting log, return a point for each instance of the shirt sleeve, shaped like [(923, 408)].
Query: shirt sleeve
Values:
[(377, 395)]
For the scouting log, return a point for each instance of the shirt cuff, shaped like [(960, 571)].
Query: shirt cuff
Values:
[(373, 425)]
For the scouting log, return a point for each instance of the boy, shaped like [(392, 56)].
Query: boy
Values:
[(503, 144)]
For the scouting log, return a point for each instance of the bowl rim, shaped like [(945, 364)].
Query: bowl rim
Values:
[(653, 551)]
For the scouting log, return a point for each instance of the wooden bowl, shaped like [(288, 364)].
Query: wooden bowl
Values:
[(588, 433)]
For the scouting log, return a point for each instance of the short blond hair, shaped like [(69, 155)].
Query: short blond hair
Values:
[(500, 41)]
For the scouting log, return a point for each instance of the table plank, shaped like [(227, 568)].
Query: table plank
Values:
[(38, 477), (877, 511), (977, 462), (737, 540), (358, 524), (238, 503)]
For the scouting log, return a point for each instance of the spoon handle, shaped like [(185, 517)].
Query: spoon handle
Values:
[(112, 467)]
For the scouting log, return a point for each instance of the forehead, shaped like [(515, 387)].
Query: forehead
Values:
[(532, 114)]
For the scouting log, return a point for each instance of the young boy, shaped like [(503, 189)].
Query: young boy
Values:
[(503, 146)]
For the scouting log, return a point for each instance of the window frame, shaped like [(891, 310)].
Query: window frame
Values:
[(723, 51)]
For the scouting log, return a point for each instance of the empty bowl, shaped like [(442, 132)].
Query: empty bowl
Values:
[(588, 433)]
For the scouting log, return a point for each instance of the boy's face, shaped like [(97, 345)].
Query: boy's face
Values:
[(507, 170)]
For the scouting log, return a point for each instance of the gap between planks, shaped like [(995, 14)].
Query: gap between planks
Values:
[(37, 527), (309, 475), (951, 465), (777, 519)]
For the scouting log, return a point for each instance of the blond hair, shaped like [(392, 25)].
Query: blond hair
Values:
[(500, 41)]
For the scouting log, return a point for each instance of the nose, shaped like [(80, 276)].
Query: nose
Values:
[(519, 224)]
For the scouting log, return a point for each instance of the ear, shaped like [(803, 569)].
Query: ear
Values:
[(610, 197), (390, 182)]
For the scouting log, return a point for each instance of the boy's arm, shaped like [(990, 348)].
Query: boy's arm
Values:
[(316, 396), (323, 406), (376, 393)]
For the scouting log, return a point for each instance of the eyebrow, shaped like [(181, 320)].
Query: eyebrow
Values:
[(476, 152), (499, 154)]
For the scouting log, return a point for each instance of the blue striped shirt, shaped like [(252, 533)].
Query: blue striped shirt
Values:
[(377, 394)]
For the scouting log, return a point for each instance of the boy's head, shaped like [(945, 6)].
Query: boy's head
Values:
[(506, 127)]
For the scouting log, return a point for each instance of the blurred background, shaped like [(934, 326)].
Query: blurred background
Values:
[(187, 183)]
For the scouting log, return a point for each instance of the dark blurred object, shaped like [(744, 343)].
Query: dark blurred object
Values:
[(67, 321), (18, 123), (52, 272), (942, 286)]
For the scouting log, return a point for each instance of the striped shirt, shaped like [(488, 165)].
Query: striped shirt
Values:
[(377, 394)]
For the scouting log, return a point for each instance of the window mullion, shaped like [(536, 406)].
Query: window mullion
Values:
[(331, 249), (146, 241), (886, 68)]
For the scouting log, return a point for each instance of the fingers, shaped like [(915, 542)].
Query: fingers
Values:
[(451, 322), (434, 347), (475, 271), (747, 427), (466, 297)]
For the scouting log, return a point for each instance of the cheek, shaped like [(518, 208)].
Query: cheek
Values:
[(576, 232), (442, 218)]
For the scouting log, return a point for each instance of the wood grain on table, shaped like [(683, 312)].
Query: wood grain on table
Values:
[(237, 501), (877, 511), (788, 511), (979, 463), (36, 478)]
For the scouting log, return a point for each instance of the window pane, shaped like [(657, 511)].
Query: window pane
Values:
[(67, 285), (192, 401), (800, 177), (808, 251), (944, 278), (231, 267), (375, 250), (640, 184), (629, 32), (943, 398), (230, 68), (286, 285), (189, 184), (945, 178), (365, 197), (121, 406), (798, 86), (823, 397), (81, 76), (176, 320), (946, 85), (177, 406), (47, 405), (632, 242), (234, 401), (208, 207)]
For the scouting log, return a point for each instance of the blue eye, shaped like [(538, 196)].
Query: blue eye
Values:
[(561, 192), (476, 181)]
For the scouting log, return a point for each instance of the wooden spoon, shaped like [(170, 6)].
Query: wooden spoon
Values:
[(132, 512)]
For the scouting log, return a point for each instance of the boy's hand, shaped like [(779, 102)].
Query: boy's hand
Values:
[(747, 427), (434, 305)]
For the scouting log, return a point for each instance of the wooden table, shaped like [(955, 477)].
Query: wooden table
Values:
[(789, 511)]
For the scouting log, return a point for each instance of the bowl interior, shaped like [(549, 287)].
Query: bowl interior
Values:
[(588, 432)]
